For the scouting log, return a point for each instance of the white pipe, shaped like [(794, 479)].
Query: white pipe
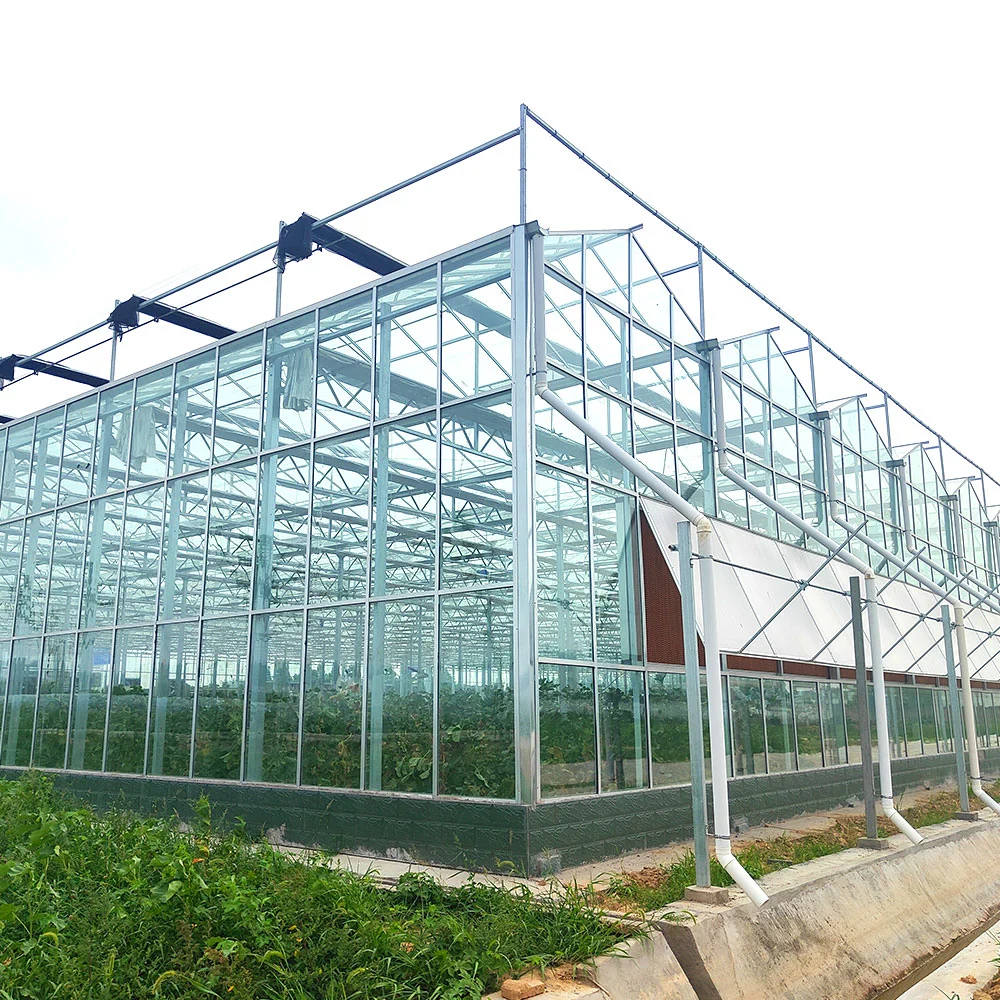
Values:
[(706, 568), (975, 777), (881, 717), (874, 626), (716, 723)]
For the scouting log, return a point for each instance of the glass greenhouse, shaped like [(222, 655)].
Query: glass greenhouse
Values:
[(349, 552)]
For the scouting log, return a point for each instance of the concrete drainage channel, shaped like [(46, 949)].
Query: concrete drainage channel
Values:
[(858, 925)]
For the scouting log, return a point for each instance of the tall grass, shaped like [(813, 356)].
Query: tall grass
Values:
[(111, 907)]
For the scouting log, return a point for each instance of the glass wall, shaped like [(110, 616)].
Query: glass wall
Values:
[(289, 557)]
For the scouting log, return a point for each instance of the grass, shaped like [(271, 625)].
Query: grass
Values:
[(113, 906), (654, 888)]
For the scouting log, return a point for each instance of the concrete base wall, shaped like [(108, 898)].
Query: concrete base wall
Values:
[(850, 935), (492, 835)]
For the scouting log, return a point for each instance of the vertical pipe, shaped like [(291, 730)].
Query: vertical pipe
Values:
[(523, 171), (956, 719), (696, 739), (881, 717), (864, 723)]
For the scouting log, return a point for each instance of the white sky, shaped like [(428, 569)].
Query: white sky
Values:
[(841, 157)]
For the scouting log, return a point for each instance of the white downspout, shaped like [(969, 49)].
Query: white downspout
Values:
[(968, 710), (874, 626), (706, 568)]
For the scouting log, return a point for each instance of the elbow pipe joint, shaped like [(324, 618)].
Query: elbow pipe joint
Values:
[(738, 873), (892, 814), (981, 794)]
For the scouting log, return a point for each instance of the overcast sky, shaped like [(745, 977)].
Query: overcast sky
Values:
[(842, 157)]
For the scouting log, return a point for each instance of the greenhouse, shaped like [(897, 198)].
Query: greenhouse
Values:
[(353, 573)]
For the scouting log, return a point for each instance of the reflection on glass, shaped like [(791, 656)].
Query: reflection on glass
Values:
[(563, 323), (11, 537), (17, 470), (90, 701), (100, 574), (832, 717), (282, 529), (45, 460), (400, 696), (114, 437), (611, 417), (191, 428), (606, 346), (182, 575), (911, 721), (566, 730), (33, 586), (476, 698), (174, 678), (616, 576), (222, 674), (22, 686), (344, 365), (67, 574), (140, 557), (288, 392), (556, 439), (58, 653), (273, 710), (668, 729), (807, 724), (331, 715), (148, 448), (623, 730), (78, 450), (780, 727), (131, 676), (563, 559), (928, 727), (231, 533), (748, 725), (238, 399)]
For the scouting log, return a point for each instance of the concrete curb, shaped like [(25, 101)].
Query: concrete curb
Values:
[(853, 925)]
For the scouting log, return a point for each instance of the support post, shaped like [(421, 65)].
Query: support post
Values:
[(696, 739), (871, 838), (956, 720)]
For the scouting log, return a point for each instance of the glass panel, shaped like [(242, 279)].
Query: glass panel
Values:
[(555, 437), (654, 447), (832, 716), (476, 488), (623, 730), (273, 709), (894, 697), (748, 725), (651, 372), (475, 321), (344, 392), (606, 340), (45, 460), (650, 296), (943, 709), (150, 426), (607, 267), (222, 675), (928, 728), (133, 672), (668, 729), (90, 701), (612, 418), (114, 438), (29, 615), (331, 715), (53, 701), (20, 714), (566, 730), (405, 508), (406, 344), (564, 252), (140, 555), (174, 678), (476, 698), (339, 557), (194, 399), (183, 552), (616, 576), (563, 559), (400, 699), (690, 380), (780, 727), (563, 323), (16, 470), (282, 529), (78, 450), (694, 470), (911, 721), (11, 536), (66, 579), (238, 399), (100, 579), (807, 724), (288, 394), (231, 533)]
